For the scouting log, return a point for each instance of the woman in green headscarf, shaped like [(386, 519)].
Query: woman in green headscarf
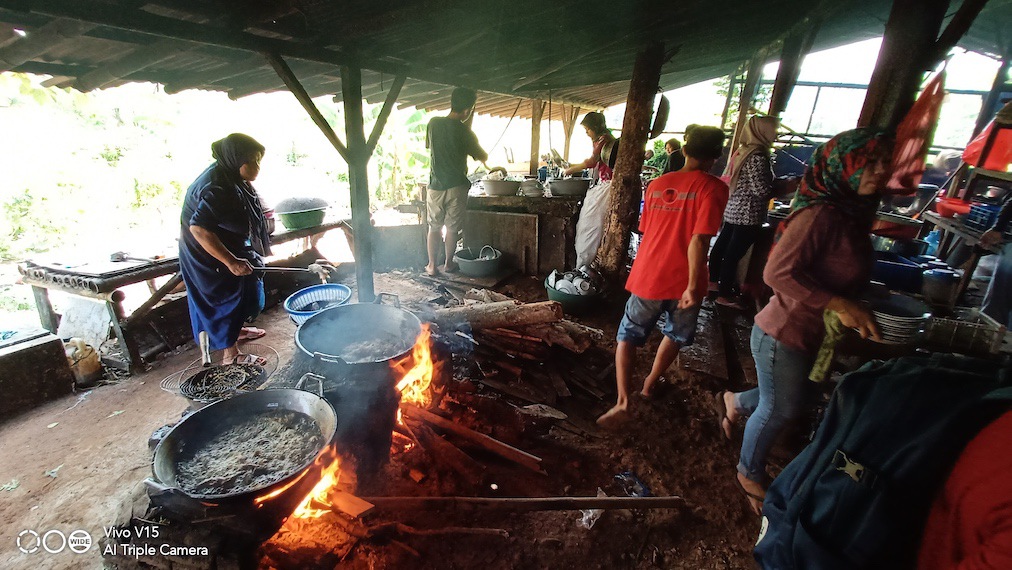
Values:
[(822, 261)]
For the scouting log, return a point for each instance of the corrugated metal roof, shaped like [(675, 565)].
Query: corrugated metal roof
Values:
[(572, 52)]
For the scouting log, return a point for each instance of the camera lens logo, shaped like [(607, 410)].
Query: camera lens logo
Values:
[(79, 541), (54, 541), (29, 541)]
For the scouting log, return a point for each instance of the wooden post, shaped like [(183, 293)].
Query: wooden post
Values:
[(748, 92), (358, 159), (732, 80), (907, 47), (796, 47), (569, 117), (537, 111), (626, 189), (1000, 80)]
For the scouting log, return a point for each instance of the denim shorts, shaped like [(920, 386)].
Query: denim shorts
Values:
[(641, 315)]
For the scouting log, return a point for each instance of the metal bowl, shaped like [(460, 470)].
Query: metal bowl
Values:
[(501, 187), (569, 187)]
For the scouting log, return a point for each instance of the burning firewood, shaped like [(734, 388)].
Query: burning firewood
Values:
[(501, 449)]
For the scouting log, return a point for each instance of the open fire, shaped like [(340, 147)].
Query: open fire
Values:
[(414, 373)]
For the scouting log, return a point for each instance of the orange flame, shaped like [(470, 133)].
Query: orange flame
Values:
[(415, 383), (320, 494)]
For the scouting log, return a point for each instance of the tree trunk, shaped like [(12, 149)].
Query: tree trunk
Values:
[(503, 314), (626, 189), (907, 50)]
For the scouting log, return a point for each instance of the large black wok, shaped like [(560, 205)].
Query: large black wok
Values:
[(212, 420), (335, 337)]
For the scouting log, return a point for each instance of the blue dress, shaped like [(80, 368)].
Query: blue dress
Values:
[(219, 301)]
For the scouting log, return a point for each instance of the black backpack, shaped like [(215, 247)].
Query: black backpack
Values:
[(858, 496)]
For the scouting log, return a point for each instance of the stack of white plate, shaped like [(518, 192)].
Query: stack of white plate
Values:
[(900, 318)]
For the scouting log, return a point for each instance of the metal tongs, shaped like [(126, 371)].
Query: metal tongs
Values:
[(322, 268)]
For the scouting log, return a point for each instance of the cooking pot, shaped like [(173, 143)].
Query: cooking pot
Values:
[(360, 335), (569, 187), (939, 286)]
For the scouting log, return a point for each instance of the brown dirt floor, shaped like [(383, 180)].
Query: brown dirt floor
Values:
[(99, 441)]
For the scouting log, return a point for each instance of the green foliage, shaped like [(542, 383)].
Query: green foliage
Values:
[(27, 229), (10, 301), (761, 101), (294, 156), (112, 155)]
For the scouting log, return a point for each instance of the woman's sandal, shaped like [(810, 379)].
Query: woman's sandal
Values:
[(721, 408), (755, 502), (251, 333)]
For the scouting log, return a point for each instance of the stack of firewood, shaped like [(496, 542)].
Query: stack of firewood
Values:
[(529, 351)]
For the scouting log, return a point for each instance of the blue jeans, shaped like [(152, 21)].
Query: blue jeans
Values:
[(781, 397), (641, 315)]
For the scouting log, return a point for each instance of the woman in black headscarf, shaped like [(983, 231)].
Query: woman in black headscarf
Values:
[(223, 237)]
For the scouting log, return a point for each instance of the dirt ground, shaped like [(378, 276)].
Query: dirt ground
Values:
[(75, 460)]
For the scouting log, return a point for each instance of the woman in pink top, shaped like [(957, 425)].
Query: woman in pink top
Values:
[(822, 261), (590, 226)]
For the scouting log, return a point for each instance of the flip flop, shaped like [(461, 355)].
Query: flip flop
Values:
[(750, 497), (721, 409), (251, 333)]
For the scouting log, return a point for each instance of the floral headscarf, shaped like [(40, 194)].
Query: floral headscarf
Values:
[(834, 174)]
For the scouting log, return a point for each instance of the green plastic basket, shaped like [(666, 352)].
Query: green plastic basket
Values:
[(572, 304), (302, 220)]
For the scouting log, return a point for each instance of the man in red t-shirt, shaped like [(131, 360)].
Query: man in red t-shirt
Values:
[(682, 212)]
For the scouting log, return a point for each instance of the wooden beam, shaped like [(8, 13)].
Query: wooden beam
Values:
[(907, 48), (991, 100), (165, 27), (537, 110), (41, 40), (381, 121), (626, 188), (137, 60), (748, 92), (796, 47), (732, 80), (358, 161), (957, 28), (299, 91), (568, 124)]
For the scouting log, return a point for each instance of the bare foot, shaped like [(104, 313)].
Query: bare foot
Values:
[(614, 417), (754, 493), (431, 270), (726, 412), (451, 268)]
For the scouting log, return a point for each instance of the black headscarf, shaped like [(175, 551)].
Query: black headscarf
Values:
[(231, 153)]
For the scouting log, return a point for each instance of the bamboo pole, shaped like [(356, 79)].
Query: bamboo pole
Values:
[(526, 503)]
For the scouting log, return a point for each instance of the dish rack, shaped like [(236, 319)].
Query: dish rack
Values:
[(967, 331), (260, 355)]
